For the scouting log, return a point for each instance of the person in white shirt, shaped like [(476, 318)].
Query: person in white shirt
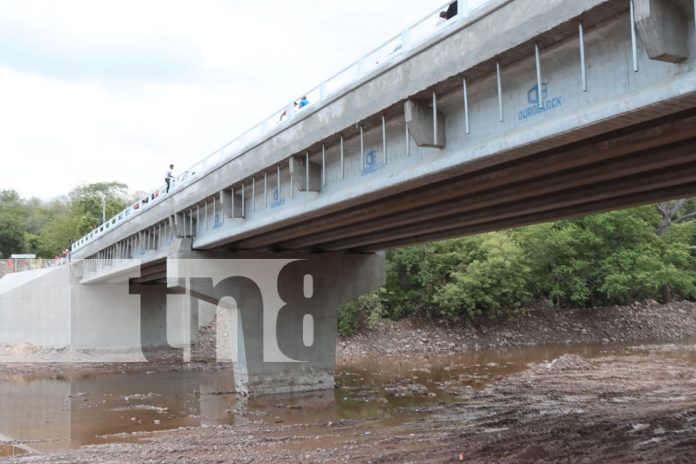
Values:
[(169, 177)]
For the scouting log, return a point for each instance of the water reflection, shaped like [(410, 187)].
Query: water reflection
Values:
[(55, 414)]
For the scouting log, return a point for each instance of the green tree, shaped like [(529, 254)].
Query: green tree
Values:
[(80, 213), (11, 228), (59, 233), (363, 312), (493, 280), (415, 274), (610, 258), (88, 201), (11, 235)]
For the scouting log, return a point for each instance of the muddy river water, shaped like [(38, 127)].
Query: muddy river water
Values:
[(52, 414)]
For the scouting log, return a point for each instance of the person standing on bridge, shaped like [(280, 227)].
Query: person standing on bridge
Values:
[(169, 177)]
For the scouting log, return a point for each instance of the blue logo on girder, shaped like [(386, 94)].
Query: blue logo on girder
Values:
[(534, 99), (533, 94), (371, 163), (277, 200)]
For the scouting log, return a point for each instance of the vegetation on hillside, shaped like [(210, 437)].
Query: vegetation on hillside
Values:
[(603, 259), (46, 228)]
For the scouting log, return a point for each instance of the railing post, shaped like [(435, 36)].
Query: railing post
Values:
[(462, 8), (322, 91), (361, 67), (406, 40)]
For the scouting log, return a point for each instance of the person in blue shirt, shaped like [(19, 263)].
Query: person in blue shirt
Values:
[(303, 102)]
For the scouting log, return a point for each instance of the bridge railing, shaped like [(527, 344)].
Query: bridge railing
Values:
[(380, 56), (12, 265)]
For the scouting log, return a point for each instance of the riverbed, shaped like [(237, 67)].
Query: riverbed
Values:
[(593, 402)]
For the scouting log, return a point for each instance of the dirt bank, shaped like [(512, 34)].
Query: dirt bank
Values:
[(532, 327)]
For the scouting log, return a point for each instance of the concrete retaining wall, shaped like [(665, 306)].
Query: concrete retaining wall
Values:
[(35, 308)]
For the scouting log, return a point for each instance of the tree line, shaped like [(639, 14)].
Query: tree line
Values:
[(47, 227), (604, 259)]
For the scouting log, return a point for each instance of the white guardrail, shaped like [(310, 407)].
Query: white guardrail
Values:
[(380, 56), (13, 265)]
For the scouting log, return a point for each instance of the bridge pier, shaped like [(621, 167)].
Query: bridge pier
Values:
[(281, 310)]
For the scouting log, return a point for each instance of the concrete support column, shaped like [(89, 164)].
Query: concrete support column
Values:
[(283, 311)]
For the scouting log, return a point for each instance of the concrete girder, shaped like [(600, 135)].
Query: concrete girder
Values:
[(628, 201), (663, 26), (665, 178), (605, 171), (604, 147), (426, 130)]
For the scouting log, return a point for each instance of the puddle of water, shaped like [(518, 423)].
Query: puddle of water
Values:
[(57, 414)]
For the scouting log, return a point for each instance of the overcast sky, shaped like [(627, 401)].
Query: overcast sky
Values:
[(96, 90)]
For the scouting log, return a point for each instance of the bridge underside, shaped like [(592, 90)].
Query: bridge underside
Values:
[(639, 164)]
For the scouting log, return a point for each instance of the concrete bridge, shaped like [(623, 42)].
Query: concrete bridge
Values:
[(518, 113)]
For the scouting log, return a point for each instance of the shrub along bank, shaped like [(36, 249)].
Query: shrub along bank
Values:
[(605, 259)]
